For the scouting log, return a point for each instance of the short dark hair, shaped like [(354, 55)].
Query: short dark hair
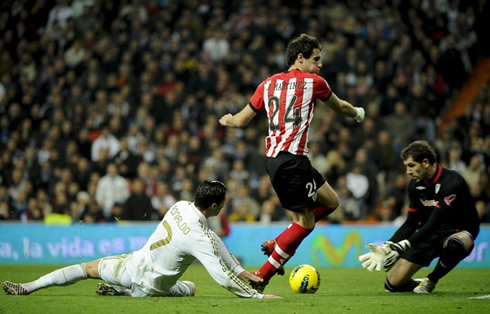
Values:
[(303, 44), (419, 150), (209, 192)]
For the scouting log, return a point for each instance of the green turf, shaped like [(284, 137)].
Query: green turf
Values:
[(341, 291)]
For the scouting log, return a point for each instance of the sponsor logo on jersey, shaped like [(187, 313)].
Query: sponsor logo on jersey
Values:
[(420, 187), (449, 199), (429, 203)]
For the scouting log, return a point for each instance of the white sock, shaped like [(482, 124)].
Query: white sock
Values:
[(59, 277)]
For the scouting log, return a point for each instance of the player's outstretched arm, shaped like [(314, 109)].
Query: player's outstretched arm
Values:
[(345, 108), (238, 120)]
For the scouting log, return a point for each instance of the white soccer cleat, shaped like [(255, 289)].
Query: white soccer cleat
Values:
[(13, 288), (425, 286)]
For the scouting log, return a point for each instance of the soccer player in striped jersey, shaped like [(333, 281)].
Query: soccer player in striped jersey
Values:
[(289, 100), (442, 222), (179, 239)]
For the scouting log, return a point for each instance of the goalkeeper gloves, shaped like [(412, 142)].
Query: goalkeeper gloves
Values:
[(374, 259), (390, 260), (400, 247), (383, 256)]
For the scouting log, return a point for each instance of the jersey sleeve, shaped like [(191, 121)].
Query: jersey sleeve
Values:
[(229, 259), (221, 265), (257, 101), (411, 224), (321, 88)]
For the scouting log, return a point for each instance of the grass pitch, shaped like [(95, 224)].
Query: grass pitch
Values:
[(341, 291)]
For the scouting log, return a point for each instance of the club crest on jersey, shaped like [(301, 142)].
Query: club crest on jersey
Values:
[(438, 187), (449, 199)]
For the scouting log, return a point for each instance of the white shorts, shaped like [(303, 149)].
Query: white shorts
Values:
[(112, 269)]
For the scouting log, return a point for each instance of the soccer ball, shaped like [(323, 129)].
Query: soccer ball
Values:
[(304, 279)]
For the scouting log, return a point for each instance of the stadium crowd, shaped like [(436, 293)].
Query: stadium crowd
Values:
[(109, 110)]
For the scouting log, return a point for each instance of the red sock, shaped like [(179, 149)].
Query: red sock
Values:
[(286, 244), (322, 211)]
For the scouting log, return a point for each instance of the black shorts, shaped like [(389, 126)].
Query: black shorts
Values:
[(295, 181), (424, 252)]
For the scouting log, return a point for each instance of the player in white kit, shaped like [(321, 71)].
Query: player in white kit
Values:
[(180, 238)]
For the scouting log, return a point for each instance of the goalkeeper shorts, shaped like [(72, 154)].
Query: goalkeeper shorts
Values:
[(428, 249)]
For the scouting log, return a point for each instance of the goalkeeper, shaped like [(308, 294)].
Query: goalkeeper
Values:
[(442, 222)]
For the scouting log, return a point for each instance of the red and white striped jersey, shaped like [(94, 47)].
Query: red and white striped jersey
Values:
[(289, 100)]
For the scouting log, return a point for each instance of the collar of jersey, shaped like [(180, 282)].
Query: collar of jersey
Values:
[(202, 218), (435, 178)]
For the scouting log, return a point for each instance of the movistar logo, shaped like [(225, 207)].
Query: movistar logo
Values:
[(335, 255)]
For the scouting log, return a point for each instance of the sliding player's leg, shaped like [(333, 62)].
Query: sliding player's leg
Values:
[(117, 279), (60, 277)]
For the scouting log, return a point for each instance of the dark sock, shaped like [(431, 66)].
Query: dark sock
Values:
[(408, 287), (451, 255)]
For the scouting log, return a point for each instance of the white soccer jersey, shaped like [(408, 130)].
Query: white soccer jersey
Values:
[(182, 237)]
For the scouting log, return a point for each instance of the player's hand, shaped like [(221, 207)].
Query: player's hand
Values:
[(374, 259), (249, 277), (360, 114), (390, 260), (271, 296), (400, 247), (225, 119)]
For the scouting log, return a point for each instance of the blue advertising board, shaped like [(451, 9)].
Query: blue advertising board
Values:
[(326, 246)]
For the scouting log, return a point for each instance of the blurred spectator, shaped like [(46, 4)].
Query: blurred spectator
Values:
[(473, 172), (241, 214), (358, 184), (111, 188), (105, 141), (400, 125), (163, 199), (138, 205)]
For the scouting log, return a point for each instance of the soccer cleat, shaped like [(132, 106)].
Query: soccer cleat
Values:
[(14, 288), (259, 286), (425, 286), (268, 247), (105, 289)]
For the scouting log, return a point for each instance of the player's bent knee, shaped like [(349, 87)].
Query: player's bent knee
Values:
[(459, 241), (192, 287)]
